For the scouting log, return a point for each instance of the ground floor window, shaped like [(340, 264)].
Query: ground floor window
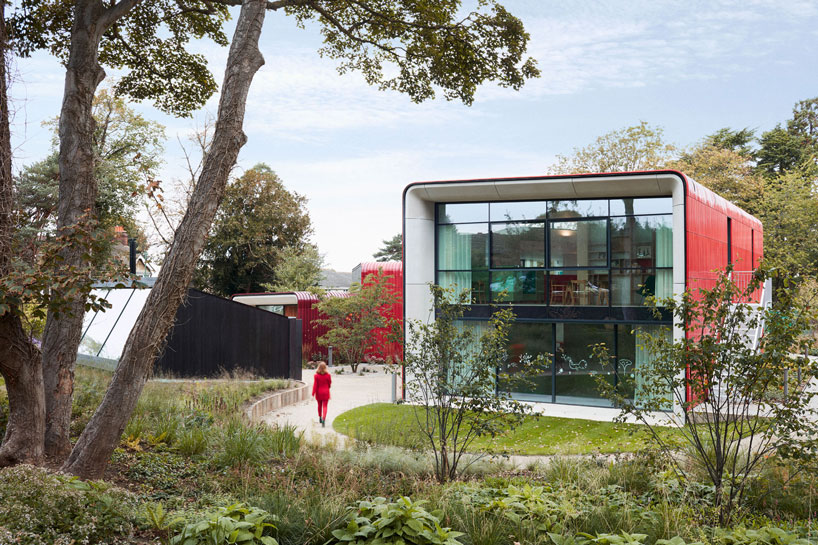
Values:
[(569, 371)]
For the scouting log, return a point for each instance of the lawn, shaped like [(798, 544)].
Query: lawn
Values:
[(384, 423)]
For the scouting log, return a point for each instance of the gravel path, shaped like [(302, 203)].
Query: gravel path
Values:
[(348, 391)]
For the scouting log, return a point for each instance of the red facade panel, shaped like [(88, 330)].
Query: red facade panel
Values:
[(706, 218), (393, 271)]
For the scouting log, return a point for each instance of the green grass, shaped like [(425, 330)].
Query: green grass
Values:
[(384, 423)]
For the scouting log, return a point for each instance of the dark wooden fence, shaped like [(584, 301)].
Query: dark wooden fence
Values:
[(212, 335)]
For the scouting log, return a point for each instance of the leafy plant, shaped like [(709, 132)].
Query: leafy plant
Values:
[(734, 411), (455, 375), (622, 538), (379, 522), (192, 441), (235, 523)]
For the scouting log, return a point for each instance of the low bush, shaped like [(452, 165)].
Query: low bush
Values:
[(43, 508), (402, 522), (235, 523)]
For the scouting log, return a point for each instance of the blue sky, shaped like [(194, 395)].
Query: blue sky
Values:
[(690, 67)]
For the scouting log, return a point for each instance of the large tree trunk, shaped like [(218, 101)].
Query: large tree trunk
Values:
[(102, 434), (78, 191), (19, 358)]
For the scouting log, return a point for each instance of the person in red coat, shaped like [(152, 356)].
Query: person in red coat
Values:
[(321, 383)]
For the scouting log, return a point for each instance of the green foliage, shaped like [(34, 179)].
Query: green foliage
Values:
[(242, 445), (42, 508), (622, 538), (735, 397), (257, 220), (639, 147), (426, 45), (392, 249), (148, 43), (162, 472), (298, 269), (380, 522), (457, 376), (350, 320), (235, 523)]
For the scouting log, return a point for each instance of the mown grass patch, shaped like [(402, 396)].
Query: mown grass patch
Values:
[(387, 424)]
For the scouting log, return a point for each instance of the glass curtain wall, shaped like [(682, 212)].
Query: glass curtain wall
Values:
[(603, 255)]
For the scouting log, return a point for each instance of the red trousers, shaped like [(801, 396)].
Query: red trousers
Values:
[(322, 408)]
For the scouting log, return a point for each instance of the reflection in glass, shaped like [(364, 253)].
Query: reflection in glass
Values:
[(579, 243), (462, 212), (629, 207), (476, 282), (577, 369), (520, 287), (578, 208), (532, 343), (579, 288), (462, 247), (632, 287), (518, 245), (635, 361), (507, 211), (105, 332), (642, 241)]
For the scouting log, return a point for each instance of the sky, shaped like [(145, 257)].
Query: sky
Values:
[(689, 67)]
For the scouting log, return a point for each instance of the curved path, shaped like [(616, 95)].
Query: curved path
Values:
[(348, 391)]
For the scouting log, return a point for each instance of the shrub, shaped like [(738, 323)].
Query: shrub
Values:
[(235, 523), (40, 508), (192, 441), (241, 445), (403, 521)]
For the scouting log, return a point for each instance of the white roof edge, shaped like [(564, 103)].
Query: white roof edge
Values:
[(580, 187)]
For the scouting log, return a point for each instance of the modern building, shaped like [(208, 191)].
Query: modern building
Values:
[(576, 256), (302, 305)]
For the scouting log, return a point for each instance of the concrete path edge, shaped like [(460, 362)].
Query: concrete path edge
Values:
[(276, 400)]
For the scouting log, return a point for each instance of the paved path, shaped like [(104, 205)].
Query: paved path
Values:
[(348, 391)]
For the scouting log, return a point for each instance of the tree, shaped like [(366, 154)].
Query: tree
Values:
[(417, 39), (100, 437), (728, 172), (640, 147), (457, 377), (83, 35), (19, 357), (789, 211), (740, 408), (352, 320), (392, 249), (257, 219), (298, 269)]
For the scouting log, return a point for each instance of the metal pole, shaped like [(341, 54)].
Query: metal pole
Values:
[(394, 387), (329, 356)]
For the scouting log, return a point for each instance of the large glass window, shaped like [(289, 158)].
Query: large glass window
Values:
[(579, 288), (579, 243), (642, 242), (632, 287), (517, 245), (577, 369), (578, 208), (630, 207), (534, 344), (561, 253), (508, 211), (462, 247), (463, 212), (475, 281), (518, 287), (635, 360)]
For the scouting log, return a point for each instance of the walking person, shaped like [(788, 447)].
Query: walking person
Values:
[(321, 383)]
